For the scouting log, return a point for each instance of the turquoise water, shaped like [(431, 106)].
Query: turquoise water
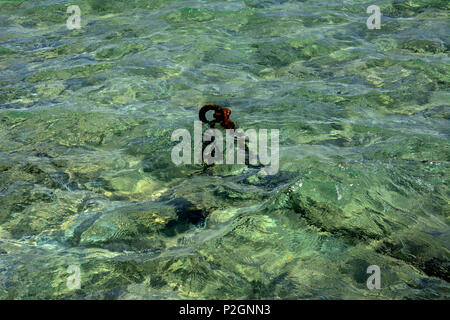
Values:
[(86, 177)]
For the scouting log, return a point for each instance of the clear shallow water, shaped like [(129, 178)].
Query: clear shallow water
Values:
[(86, 177)]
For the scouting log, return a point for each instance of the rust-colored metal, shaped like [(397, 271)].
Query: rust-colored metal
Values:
[(221, 115)]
